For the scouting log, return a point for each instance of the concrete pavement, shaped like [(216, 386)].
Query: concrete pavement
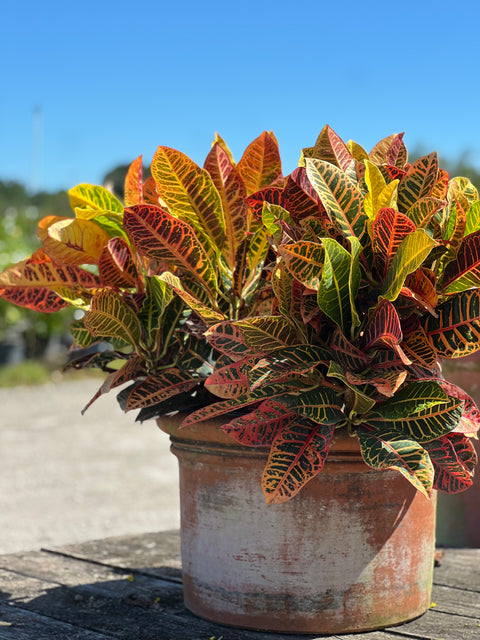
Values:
[(68, 478)]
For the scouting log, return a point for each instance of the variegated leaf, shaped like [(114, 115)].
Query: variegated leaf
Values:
[(455, 332), (230, 381), (109, 316), (346, 354), (157, 234), (133, 183), (232, 192), (375, 184), (259, 427), (418, 182), (383, 330), (411, 253), (75, 242), (321, 405), (94, 198), (464, 272), (418, 348), (226, 406), (473, 219), (389, 450), (304, 260), (133, 369), (190, 194), (40, 272), (297, 455), (116, 265), (285, 361), (35, 298), (423, 210), (340, 196), (422, 287), (331, 148), (389, 229), (390, 150), (226, 338), (261, 165), (454, 460), (289, 295), (417, 413), (267, 333), (157, 388), (209, 316)]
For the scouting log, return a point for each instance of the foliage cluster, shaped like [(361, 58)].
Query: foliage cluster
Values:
[(19, 216), (318, 301)]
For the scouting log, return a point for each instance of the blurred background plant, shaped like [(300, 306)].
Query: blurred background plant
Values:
[(33, 346)]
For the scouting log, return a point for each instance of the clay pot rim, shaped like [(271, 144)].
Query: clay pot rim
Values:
[(209, 432)]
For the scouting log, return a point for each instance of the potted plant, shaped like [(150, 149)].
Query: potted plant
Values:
[(286, 333)]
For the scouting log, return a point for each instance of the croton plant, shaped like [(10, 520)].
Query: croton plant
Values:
[(290, 306)]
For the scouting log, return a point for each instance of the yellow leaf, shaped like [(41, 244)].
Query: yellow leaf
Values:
[(74, 242), (375, 184)]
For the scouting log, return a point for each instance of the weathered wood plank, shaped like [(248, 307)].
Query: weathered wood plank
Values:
[(18, 624), (99, 609), (456, 601), (156, 554), (459, 568)]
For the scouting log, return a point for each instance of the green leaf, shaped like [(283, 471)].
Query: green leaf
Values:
[(271, 215), (297, 455), (321, 405), (388, 450), (189, 193), (417, 413), (281, 362), (359, 402), (90, 197), (339, 284), (111, 317), (412, 252), (455, 332), (473, 219)]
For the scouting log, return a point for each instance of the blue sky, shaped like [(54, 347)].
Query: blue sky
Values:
[(114, 80)]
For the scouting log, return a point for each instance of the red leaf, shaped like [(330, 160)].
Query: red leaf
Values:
[(258, 428), (383, 329), (116, 265), (389, 228)]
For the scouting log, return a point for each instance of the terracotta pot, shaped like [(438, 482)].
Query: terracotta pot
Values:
[(458, 515), (353, 551)]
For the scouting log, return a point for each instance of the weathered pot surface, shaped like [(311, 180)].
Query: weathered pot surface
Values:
[(353, 551)]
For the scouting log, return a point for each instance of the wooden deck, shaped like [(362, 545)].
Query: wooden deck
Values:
[(131, 588)]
